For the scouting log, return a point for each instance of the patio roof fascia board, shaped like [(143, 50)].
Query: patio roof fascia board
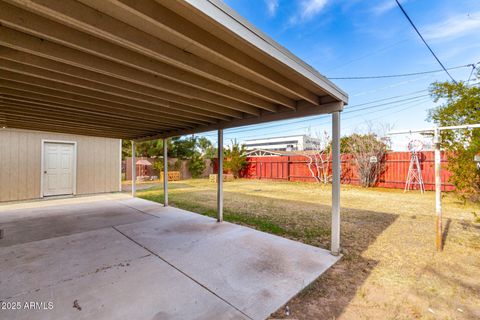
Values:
[(304, 109), (233, 22)]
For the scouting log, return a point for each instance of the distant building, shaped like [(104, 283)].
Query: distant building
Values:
[(288, 143)]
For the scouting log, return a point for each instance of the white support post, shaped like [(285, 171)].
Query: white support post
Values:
[(165, 173), (438, 190), (220, 177), (134, 169), (120, 157), (335, 234)]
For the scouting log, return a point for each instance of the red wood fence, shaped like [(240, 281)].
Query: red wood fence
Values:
[(295, 168)]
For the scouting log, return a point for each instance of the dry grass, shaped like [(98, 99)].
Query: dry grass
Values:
[(390, 269)]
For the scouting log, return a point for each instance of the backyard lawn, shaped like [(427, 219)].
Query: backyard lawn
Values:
[(389, 268)]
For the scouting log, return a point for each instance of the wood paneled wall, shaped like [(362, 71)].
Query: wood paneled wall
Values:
[(98, 163)]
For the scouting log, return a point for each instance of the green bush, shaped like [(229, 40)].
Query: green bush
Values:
[(196, 165), (235, 159), (460, 105)]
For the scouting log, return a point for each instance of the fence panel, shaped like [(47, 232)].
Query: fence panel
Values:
[(296, 168)]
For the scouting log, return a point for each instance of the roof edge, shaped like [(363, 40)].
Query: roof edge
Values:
[(230, 19)]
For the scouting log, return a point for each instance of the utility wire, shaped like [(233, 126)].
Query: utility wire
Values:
[(343, 118), (474, 67), (256, 127), (396, 75), (347, 110), (425, 42), (418, 100)]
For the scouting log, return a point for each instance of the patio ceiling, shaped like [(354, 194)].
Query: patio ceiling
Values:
[(147, 69)]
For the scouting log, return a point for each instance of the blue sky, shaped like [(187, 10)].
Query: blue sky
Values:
[(361, 38)]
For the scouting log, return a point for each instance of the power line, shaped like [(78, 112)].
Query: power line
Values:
[(256, 127), (425, 42), (474, 67), (420, 99), (347, 111), (396, 75), (343, 119)]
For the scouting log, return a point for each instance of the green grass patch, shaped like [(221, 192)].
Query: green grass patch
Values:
[(258, 222)]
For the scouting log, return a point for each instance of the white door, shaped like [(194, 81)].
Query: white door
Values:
[(58, 168)]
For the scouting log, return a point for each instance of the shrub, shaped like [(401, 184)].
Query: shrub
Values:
[(235, 159), (196, 165)]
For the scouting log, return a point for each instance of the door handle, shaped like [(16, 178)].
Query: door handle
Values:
[(45, 172)]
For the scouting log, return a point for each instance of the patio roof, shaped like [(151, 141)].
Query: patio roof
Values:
[(147, 69)]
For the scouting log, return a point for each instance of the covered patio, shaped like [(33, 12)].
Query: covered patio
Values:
[(142, 70), (124, 258)]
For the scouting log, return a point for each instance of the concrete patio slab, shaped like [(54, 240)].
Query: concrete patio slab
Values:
[(255, 271), (107, 275), (128, 258), (28, 224)]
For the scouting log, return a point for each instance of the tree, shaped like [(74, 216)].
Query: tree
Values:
[(183, 148), (196, 165), (235, 158), (152, 148), (364, 148), (206, 148), (460, 105), (320, 157)]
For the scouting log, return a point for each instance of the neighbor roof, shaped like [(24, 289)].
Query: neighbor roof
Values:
[(147, 69)]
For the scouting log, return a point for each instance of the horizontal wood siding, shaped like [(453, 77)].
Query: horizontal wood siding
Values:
[(98, 163)]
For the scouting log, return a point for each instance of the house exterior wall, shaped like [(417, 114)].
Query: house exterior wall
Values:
[(299, 142), (97, 171)]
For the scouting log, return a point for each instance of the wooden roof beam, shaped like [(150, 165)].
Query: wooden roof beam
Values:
[(42, 126), (20, 41), (60, 67), (25, 109), (103, 92), (20, 94), (72, 124), (92, 80), (155, 18), (36, 104), (100, 99), (46, 96), (305, 109), (184, 81), (89, 20)]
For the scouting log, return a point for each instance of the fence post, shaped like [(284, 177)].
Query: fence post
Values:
[(288, 168)]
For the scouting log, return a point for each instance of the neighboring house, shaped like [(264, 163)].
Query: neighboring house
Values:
[(287, 143), (36, 164)]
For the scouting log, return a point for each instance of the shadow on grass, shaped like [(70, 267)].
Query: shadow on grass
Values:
[(446, 229), (332, 292)]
